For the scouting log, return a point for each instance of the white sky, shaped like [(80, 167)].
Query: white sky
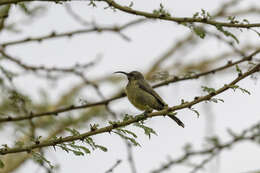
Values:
[(148, 42)]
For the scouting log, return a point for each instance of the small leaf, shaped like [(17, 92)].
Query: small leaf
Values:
[(238, 70), (231, 133), (233, 19), (41, 159), (214, 140), (187, 147), (244, 91), (258, 33), (77, 153), (216, 100), (78, 149), (63, 147), (195, 15), (131, 4), (128, 132), (74, 132), (161, 11), (132, 140), (94, 127), (234, 87), (200, 32), (2, 165), (246, 21), (102, 148), (93, 145), (208, 90), (147, 130), (92, 3), (227, 33), (19, 143), (127, 117), (90, 141), (86, 150), (24, 8), (195, 111)]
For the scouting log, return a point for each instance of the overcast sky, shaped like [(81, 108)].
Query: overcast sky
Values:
[(148, 42)]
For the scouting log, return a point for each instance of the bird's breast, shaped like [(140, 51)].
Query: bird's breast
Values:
[(136, 96)]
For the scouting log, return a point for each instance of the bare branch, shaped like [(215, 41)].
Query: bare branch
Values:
[(114, 166), (249, 134), (107, 101), (75, 16), (196, 76), (5, 2), (183, 42), (138, 118), (151, 15), (168, 53), (54, 35), (130, 157), (179, 19), (74, 69)]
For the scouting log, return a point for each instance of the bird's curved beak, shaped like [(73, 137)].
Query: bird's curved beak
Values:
[(122, 72)]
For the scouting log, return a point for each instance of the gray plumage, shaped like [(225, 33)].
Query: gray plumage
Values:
[(143, 96)]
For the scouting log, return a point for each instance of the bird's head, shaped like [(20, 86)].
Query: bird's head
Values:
[(134, 75)]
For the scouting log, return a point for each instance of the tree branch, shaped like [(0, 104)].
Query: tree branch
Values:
[(107, 101), (53, 35), (73, 69), (248, 134), (107, 129), (151, 15), (196, 76), (114, 166), (178, 19), (5, 2)]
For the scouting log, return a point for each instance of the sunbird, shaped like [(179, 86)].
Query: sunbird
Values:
[(143, 96)]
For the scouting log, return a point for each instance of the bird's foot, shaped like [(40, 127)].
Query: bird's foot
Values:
[(146, 112)]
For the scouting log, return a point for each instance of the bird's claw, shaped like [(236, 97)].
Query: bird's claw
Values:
[(145, 113)]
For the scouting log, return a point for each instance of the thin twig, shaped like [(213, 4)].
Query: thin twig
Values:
[(54, 35), (75, 16), (204, 162), (130, 157), (73, 69), (114, 166)]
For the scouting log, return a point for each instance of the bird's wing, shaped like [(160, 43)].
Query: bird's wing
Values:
[(146, 87)]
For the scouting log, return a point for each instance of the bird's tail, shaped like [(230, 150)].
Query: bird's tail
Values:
[(177, 120)]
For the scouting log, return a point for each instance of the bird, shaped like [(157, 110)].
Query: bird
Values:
[(143, 96)]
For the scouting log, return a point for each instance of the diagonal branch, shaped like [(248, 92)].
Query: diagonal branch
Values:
[(196, 76), (177, 46), (107, 101), (189, 39), (138, 118), (5, 2), (54, 35), (151, 15), (110, 170), (246, 135), (179, 19), (73, 69)]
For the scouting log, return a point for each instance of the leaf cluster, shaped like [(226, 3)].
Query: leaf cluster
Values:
[(161, 11)]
